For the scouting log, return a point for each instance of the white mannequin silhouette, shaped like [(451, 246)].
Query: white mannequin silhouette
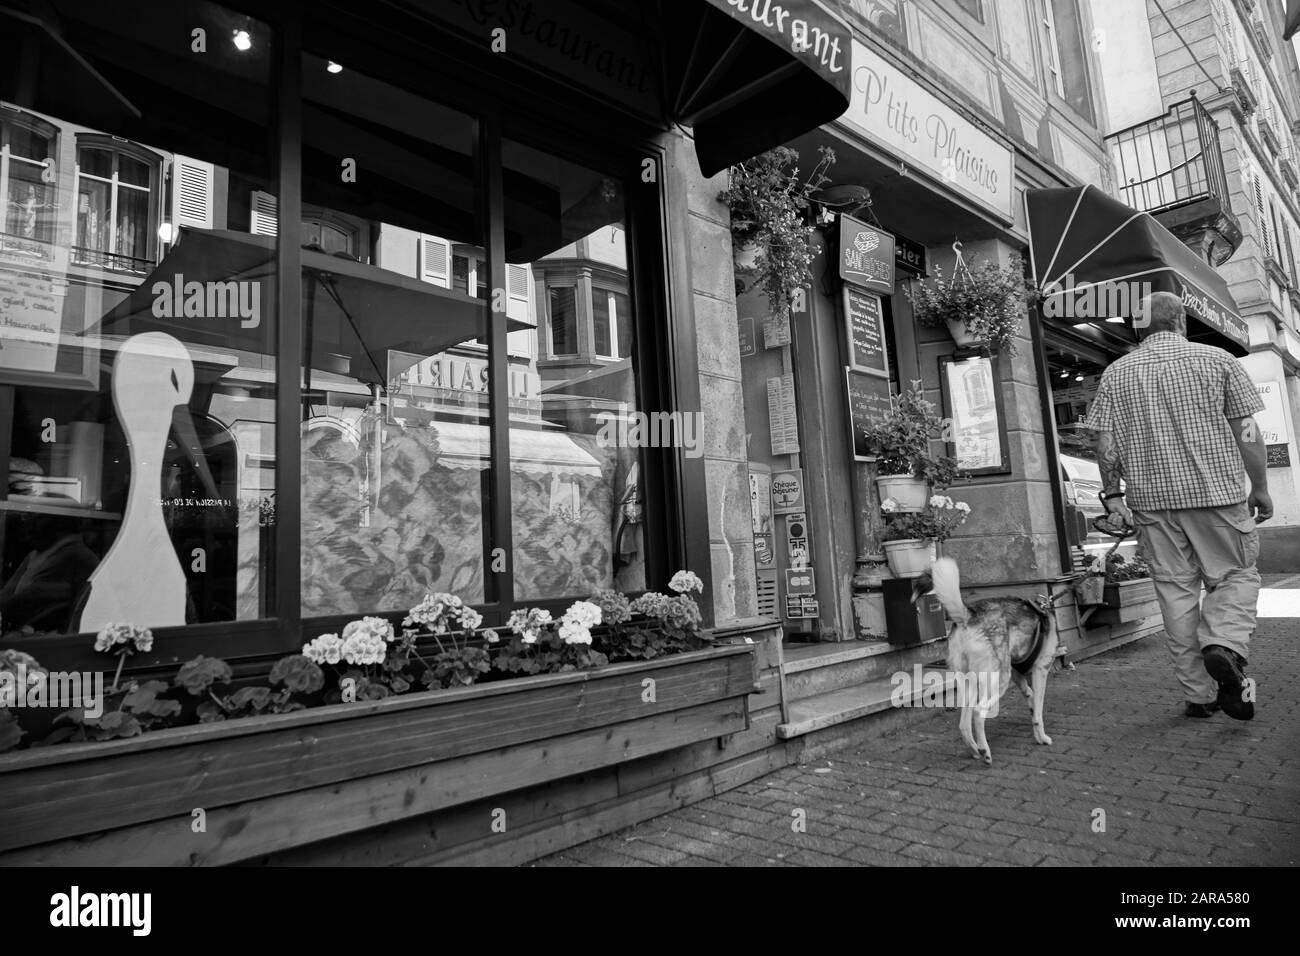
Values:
[(140, 581)]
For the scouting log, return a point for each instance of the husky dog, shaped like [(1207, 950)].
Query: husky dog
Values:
[(992, 643)]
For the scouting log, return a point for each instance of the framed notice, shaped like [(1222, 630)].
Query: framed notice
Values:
[(864, 324), (972, 403), (869, 401), (43, 339)]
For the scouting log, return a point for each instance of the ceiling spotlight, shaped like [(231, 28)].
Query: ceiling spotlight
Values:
[(1065, 375), (1079, 377), (166, 232), (334, 67), (1116, 318), (243, 41)]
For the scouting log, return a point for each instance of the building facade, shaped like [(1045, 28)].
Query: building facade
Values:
[(1203, 100)]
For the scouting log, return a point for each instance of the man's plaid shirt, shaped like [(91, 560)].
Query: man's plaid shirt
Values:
[(1168, 403)]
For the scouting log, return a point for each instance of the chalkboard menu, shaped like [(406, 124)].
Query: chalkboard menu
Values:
[(1279, 456), (869, 402), (866, 330)]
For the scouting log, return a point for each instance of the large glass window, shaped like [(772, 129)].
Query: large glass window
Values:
[(395, 409), (575, 488), (137, 375)]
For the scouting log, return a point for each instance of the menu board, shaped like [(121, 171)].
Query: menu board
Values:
[(971, 398), (865, 325), (869, 402), (31, 318), (782, 423)]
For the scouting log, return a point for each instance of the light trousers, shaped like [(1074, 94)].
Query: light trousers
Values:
[(1191, 547)]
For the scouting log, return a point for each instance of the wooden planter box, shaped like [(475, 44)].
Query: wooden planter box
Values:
[(1129, 593), (270, 783)]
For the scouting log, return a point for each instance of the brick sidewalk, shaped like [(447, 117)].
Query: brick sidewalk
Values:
[(1175, 791)]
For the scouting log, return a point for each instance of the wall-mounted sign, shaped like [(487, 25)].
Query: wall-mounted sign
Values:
[(866, 256), (973, 405), (1279, 456), (748, 344), (764, 553), (799, 581), (869, 401), (909, 256), (782, 424), (801, 607), (865, 325), (776, 331), (888, 107), (787, 491), (796, 539)]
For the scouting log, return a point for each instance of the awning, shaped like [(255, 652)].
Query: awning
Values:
[(748, 75), (1087, 248), (467, 446), (356, 313), (1292, 23)]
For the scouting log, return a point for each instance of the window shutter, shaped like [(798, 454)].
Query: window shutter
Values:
[(263, 219), (1260, 218), (1290, 256), (517, 292), (192, 192), (434, 265)]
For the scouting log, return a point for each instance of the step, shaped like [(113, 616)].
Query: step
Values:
[(822, 668), (851, 703)]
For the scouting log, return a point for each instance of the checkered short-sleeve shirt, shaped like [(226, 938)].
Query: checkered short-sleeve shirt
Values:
[(1168, 404)]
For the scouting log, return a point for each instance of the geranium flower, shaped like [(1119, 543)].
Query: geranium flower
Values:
[(962, 507), (684, 581), (470, 619), (889, 504)]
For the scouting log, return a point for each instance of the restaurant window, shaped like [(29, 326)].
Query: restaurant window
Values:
[(396, 452), (116, 200), (27, 172), (576, 492), (1067, 54), (137, 397)]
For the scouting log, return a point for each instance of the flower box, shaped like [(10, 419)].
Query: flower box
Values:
[(274, 782), (1128, 593)]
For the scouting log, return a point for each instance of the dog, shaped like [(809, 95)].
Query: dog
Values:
[(992, 643)]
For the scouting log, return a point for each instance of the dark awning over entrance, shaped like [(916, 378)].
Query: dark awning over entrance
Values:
[(1091, 255), (748, 75)]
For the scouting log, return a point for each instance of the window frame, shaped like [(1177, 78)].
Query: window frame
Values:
[(118, 148), (661, 360), (10, 118)]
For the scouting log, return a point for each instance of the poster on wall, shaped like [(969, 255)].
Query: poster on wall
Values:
[(1272, 424), (787, 491), (782, 425), (970, 392)]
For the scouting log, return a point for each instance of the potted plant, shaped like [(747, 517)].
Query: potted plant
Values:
[(900, 442), (910, 539), (770, 233), (983, 307)]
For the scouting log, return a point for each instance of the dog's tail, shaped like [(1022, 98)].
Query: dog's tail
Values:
[(947, 588)]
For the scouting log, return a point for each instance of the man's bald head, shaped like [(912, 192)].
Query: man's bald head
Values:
[(1164, 312)]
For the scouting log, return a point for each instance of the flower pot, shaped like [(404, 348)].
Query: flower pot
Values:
[(910, 556), (910, 493), (961, 334)]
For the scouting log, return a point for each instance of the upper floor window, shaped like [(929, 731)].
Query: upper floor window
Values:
[(1067, 55), (469, 275), (27, 206), (116, 207), (611, 318), (563, 314)]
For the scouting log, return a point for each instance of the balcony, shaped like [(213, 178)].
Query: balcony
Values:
[(1172, 168)]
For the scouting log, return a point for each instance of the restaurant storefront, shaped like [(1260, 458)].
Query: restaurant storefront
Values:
[(309, 313)]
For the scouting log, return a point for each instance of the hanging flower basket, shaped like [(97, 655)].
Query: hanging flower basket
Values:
[(982, 307)]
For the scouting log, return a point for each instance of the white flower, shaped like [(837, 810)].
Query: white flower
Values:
[(364, 647), (492, 636), (937, 501), (962, 507), (325, 649), (889, 504), (571, 632), (372, 627), (684, 581), (470, 619), (583, 614)]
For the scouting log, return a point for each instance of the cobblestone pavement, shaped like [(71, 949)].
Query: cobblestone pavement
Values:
[(1174, 791)]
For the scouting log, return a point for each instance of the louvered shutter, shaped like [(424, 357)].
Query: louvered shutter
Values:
[(434, 261), (1261, 218), (517, 292), (262, 220), (192, 181)]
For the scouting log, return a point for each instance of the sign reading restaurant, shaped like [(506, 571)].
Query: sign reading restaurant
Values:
[(890, 108)]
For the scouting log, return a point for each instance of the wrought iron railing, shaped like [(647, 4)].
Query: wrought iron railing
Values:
[(1171, 160)]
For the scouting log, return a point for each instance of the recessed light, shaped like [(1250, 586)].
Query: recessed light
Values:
[(1079, 377), (334, 67), (242, 40)]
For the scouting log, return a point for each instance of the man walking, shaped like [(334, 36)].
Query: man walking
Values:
[(1175, 420)]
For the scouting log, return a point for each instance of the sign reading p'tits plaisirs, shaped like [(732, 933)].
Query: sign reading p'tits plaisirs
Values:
[(891, 109)]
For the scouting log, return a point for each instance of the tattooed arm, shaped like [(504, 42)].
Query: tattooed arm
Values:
[(1112, 469)]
